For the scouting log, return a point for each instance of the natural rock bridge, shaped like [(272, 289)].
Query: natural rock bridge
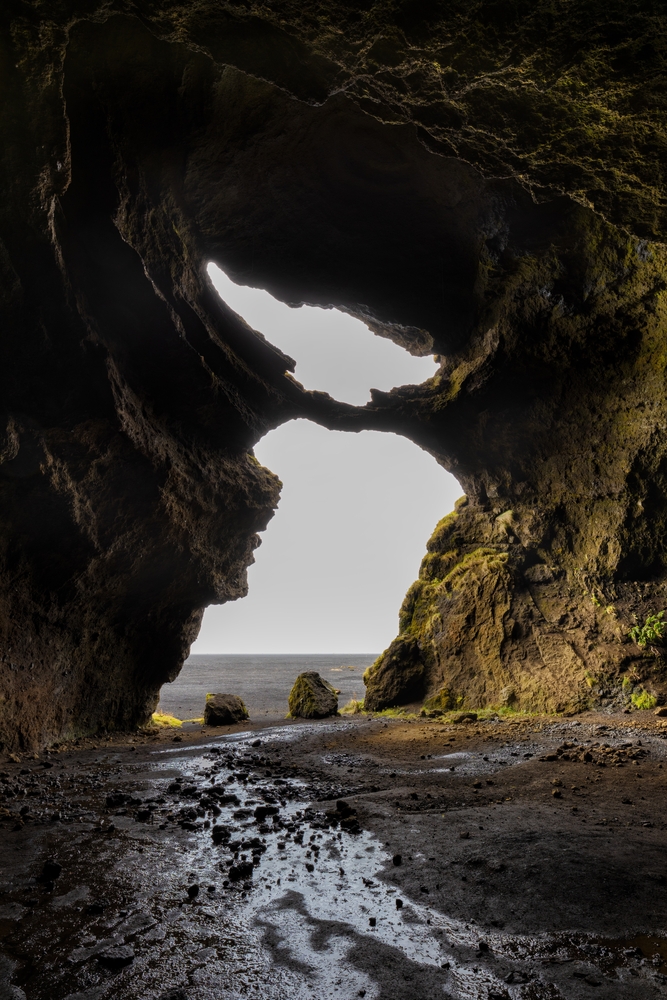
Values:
[(480, 182)]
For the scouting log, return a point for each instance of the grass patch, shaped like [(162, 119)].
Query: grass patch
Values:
[(643, 700), (353, 707), (395, 713), (160, 719), (651, 633)]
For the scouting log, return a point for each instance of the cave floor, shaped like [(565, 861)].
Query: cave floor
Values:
[(521, 858)]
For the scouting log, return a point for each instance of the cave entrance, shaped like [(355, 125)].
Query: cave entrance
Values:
[(347, 539)]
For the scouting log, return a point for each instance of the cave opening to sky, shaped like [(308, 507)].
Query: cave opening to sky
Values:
[(356, 508)]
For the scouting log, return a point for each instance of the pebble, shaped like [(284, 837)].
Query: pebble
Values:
[(117, 957), (51, 870)]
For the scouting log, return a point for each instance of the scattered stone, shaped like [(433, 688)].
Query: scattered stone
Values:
[(662, 712), (117, 957), (464, 717), (51, 870), (193, 891), (97, 907), (261, 812), (240, 871), (399, 904), (174, 994), (312, 697), (372, 921), (224, 710), (398, 860), (516, 977)]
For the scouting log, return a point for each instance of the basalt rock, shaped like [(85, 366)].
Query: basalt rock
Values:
[(312, 697), (224, 710), (481, 181)]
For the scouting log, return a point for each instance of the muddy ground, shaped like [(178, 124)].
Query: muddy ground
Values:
[(353, 857)]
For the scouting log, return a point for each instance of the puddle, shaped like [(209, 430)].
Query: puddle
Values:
[(288, 902)]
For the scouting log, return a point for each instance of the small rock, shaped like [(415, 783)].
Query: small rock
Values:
[(516, 977), (193, 891), (241, 871), (96, 907), (261, 812), (116, 799), (372, 921), (310, 867), (50, 871), (397, 860), (174, 995), (464, 835), (661, 712), (117, 957), (312, 697), (224, 710), (464, 717), (399, 904)]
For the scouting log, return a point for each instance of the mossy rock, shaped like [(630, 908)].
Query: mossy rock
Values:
[(443, 701), (396, 677), (312, 697), (224, 710)]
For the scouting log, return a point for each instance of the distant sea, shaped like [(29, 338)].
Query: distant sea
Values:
[(263, 681)]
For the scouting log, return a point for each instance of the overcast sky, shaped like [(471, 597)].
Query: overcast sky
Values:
[(356, 509)]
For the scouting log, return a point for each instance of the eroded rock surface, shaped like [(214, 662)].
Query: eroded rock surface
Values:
[(480, 183)]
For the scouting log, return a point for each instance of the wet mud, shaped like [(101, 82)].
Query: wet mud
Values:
[(377, 858)]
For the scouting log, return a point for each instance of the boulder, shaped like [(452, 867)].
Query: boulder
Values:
[(224, 710), (312, 697)]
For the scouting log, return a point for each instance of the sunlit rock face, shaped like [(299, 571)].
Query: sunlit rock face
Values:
[(478, 183)]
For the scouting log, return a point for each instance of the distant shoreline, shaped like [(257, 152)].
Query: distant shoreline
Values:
[(263, 680)]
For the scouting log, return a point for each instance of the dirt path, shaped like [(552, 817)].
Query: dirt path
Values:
[(353, 857)]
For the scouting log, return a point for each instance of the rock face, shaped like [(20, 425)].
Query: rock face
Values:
[(224, 710), (312, 697), (481, 182)]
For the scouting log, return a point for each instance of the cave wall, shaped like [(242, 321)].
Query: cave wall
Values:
[(480, 182)]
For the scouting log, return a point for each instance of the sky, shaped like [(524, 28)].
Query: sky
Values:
[(356, 509)]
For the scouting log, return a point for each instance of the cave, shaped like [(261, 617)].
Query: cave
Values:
[(479, 183)]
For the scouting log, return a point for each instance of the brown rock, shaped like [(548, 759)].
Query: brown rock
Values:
[(224, 710)]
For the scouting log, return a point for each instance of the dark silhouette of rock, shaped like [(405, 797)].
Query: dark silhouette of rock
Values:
[(312, 697), (224, 710), (52, 870), (484, 212)]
